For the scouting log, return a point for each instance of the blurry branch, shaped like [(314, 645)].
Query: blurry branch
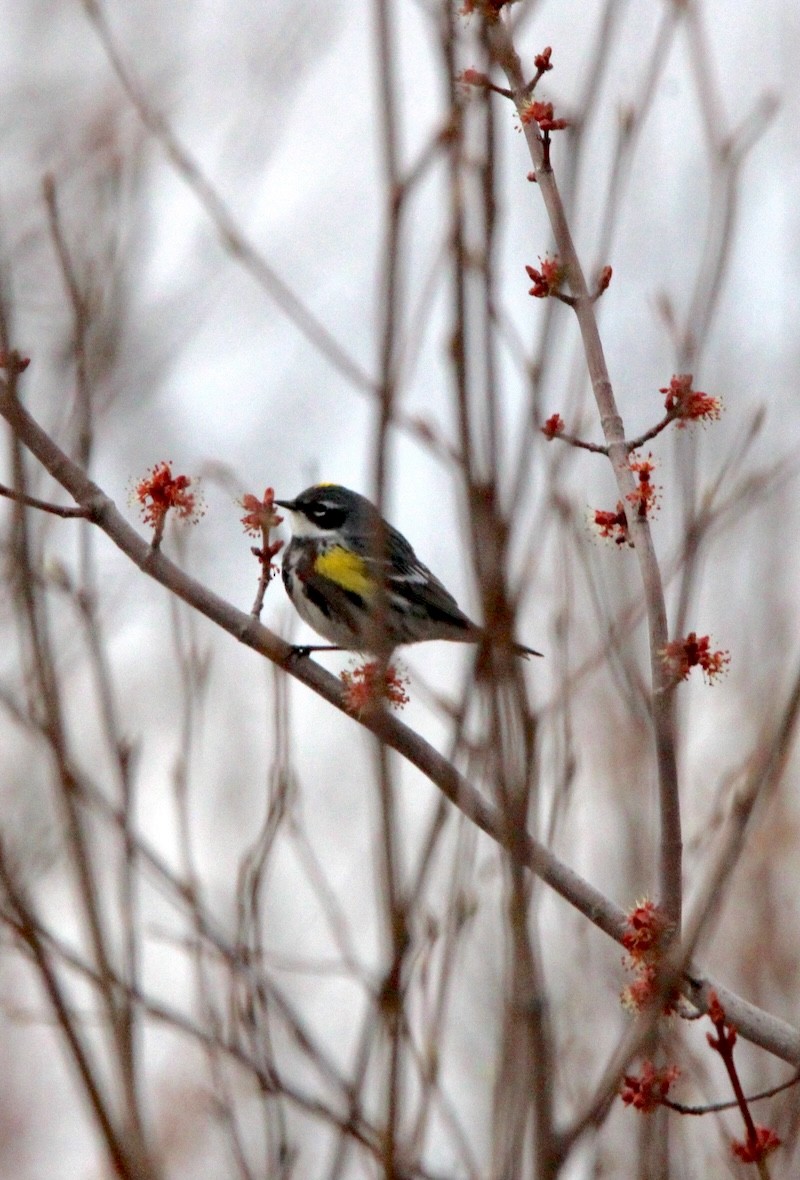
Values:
[(632, 121), (230, 234), (754, 1024), (236, 243), (126, 1146), (522, 1106), (48, 949), (715, 515), (66, 511), (79, 303), (123, 1016), (220, 1040), (192, 666), (93, 909), (769, 764), (728, 150), (390, 902)]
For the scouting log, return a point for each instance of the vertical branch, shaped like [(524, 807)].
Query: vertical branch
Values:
[(458, 343), (86, 598), (84, 862), (126, 1148), (391, 998), (79, 305), (488, 186), (671, 847), (523, 1099)]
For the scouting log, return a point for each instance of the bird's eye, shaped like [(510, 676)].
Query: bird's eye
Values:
[(328, 516)]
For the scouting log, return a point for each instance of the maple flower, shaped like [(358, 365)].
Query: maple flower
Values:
[(681, 655), (644, 937), (689, 404), (542, 114), (645, 496), (259, 518), (642, 990), (546, 281), (260, 515), (542, 60), (161, 492), (648, 1089), (612, 526), (754, 1152), (553, 426), (645, 927), (363, 687)]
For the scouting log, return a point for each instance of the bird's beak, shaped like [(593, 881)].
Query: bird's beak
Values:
[(290, 504)]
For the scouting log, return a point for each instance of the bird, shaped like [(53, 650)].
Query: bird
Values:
[(359, 584)]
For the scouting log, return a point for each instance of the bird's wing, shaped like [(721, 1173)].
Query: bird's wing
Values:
[(411, 585)]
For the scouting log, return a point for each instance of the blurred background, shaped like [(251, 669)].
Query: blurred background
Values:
[(196, 245)]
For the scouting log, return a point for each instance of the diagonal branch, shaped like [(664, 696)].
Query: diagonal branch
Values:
[(771, 1033)]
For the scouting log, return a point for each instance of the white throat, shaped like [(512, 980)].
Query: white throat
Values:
[(303, 527)]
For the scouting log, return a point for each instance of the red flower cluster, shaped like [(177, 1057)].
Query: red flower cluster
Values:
[(546, 281), (259, 518), (260, 515), (644, 937), (648, 1089), (645, 929), (161, 492), (553, 426), (645, 497), (642, 990), (695, 652), (542, 113), (753, 1151), (612, 526), (363, 686), (687, 404)]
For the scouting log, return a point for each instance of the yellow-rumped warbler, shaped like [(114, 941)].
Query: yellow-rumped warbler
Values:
[(356, 580)]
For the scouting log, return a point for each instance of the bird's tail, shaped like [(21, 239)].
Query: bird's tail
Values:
[(525, 652)]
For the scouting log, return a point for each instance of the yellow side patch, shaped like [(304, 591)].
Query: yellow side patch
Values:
[(346, 569)]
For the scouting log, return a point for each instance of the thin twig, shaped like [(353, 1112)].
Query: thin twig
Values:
[(68, 512), (732, 1104), (229, 232)]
